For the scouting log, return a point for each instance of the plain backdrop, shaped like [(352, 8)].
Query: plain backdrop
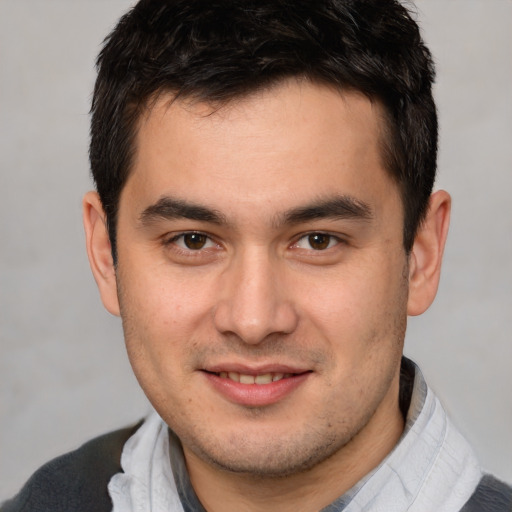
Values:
[(64, 373)]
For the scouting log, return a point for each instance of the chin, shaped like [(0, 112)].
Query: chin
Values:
[(269, 457)]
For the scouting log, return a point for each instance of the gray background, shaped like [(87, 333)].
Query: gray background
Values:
[(65, 375)]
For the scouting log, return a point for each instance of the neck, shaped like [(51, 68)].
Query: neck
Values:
[(312, 490)]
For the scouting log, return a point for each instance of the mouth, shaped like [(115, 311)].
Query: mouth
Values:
[(256, 388), (259, 379)]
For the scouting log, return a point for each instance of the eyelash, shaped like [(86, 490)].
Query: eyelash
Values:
[(174, 241), (332, 241)]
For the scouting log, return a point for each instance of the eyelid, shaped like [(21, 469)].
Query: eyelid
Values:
[(173, 238), (337, 239)]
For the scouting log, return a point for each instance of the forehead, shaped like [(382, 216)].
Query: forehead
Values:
[(284, 102), (296, 138)]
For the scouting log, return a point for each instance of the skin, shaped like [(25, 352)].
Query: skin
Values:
[(278, 274)]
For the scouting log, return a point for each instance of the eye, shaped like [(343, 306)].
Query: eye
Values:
[(192, 241), (317, 241)]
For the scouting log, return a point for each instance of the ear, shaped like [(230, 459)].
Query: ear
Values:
[(99, 251), (427, 254)]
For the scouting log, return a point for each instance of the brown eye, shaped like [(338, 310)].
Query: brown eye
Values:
[(319, 241), (194, 241)]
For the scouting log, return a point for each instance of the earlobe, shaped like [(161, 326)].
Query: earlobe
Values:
[(427, 254), (99, 251)]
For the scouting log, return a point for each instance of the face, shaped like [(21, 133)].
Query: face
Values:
[(262, 280)]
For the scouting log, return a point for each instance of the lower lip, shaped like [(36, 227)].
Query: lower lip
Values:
[(256, 395)]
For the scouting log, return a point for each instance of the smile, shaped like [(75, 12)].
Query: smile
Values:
[(256, 389), (261, 379)]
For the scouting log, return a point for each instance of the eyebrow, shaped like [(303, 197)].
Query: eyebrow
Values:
[(339, 207), (168, 208)]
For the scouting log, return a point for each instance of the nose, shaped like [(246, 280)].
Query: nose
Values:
[(254, 301)]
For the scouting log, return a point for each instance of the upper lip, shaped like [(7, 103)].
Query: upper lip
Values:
[(253, 369)]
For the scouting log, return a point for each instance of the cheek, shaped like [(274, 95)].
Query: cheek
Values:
[(157, 334), (164, 301), (359, 306), (159, 318)]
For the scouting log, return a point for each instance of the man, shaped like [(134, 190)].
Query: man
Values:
[(263, 224)]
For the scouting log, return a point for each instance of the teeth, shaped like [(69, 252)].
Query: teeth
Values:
[(234, 376), (265, 378), (246, 379)]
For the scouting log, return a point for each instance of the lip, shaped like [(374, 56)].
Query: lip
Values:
[(255, 369), (255, 395)]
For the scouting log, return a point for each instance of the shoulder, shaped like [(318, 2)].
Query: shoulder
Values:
[(76, 481), (491, 495)]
